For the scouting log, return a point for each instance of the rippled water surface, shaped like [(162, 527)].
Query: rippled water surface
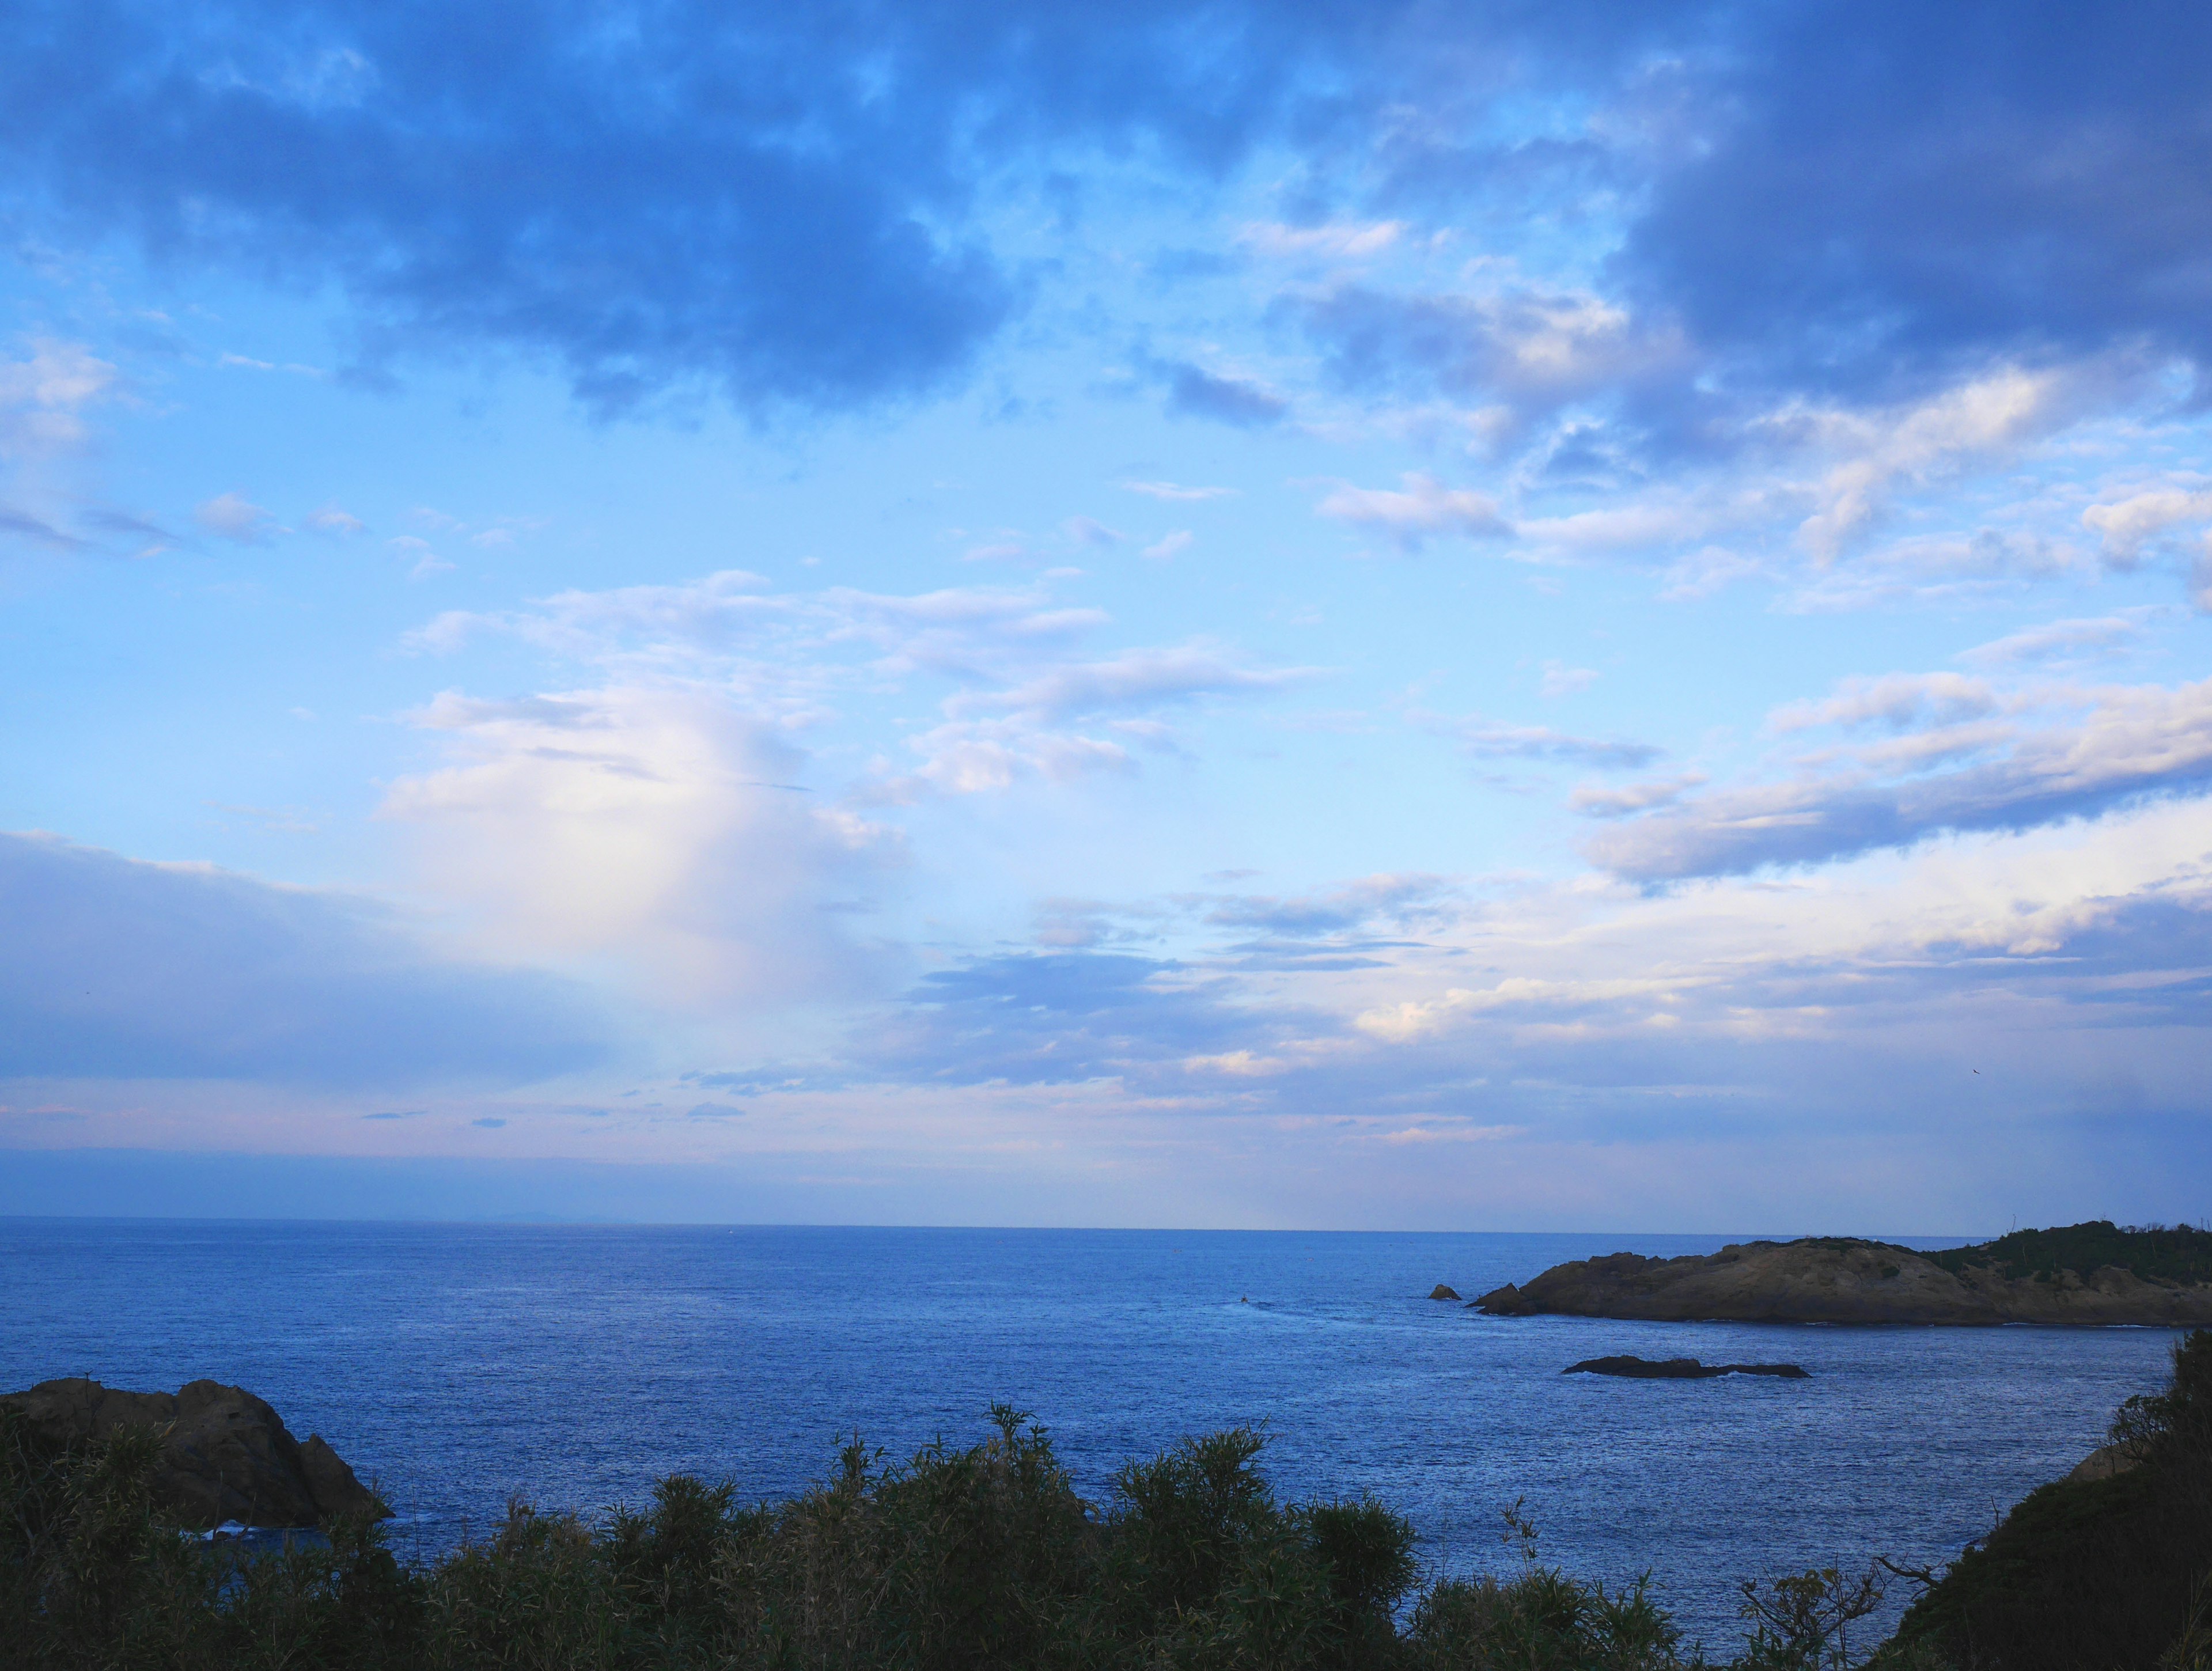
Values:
[(456, 1365)]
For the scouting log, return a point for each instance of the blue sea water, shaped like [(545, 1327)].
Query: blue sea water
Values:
[(458, 1365)]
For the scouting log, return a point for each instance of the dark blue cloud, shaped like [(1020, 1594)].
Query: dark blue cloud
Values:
[(1048, 1018), (113, 968), (778, 199), (1851, 200), (1884, 188)]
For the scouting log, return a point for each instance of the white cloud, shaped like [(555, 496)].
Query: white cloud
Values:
[(233, 517), (1599, 803), (1422, 508), (1561, 680), (335, 519), (1896, 700), (1884, 451), (45, 395), (2060, 641), (2129, 524), (1176, 492), (1169, 545), (2128, 743), (1338, 240), (426, 559), (653, 828)]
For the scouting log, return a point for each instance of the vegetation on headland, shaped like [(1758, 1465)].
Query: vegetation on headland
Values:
[(971, 1559), (2156, 1253)]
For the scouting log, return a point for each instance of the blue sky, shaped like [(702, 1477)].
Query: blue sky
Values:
[(1380, 616)]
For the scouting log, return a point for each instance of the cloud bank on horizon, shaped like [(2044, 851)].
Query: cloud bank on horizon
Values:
[(1300, 614)]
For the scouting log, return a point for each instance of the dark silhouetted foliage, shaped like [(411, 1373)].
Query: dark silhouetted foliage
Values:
[(2107, 1574), (2156, 1253)]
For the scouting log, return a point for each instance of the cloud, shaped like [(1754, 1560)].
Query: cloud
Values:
[(234, 517), (1391, 902), (2128, 525), (1169, 545), (120, 970), (45, 395), (1052, 1018), (797, 211), (2134, 743), (1596, 803), (1520, 355), (1970, 421), (1895, 700), (1490, 739), (1422, 508), (2059, 641), (1342, 241), (1138, 681), (1193, 391), (1175, 493), (1878, 197), (332, 519), (1089, 530), (1561, 680), (654, 827), (1025, 701)]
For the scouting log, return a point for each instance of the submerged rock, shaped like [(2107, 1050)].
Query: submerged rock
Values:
[(1442, 1293), (1678, 1369), (226, 1456)]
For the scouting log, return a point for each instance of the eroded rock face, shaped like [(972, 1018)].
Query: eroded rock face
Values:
[(1834, 1281), (226, 1456)]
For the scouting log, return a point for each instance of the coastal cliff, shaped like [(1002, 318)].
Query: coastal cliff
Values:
[(226, 1456), (2092, 1273)]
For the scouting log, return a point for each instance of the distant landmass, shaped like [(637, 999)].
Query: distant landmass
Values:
[(2090, 1273)]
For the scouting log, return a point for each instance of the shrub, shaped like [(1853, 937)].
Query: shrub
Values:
[(2103, 1573)]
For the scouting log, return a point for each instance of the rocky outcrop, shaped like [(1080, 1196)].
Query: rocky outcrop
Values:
[(1678, 1369), (1444, 1291), (2105, 1461), (226, 1456), (1829, 1280)]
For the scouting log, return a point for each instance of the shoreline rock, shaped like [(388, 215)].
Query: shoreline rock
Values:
[(226, 1455), (1833, 1280), (1679, 1369)]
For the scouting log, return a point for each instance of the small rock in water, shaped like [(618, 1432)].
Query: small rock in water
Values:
[(1441, 1292), (1678, 1369)]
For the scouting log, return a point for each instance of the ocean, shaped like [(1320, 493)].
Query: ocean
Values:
[(456, 1365)]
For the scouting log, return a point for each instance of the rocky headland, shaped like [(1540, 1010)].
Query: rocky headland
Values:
[(2092, 1273), (226, 1456)]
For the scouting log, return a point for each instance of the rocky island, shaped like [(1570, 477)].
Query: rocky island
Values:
[(1679, 1368), (2090, 1273), (226, 1457)]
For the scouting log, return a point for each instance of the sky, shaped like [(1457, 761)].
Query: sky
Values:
[(1380, 616)]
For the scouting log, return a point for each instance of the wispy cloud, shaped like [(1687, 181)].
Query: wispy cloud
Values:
[(1420, 509)]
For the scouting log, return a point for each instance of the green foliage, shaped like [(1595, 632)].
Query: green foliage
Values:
[(2104, 1573), (2154, 1252), (976, 1559)]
